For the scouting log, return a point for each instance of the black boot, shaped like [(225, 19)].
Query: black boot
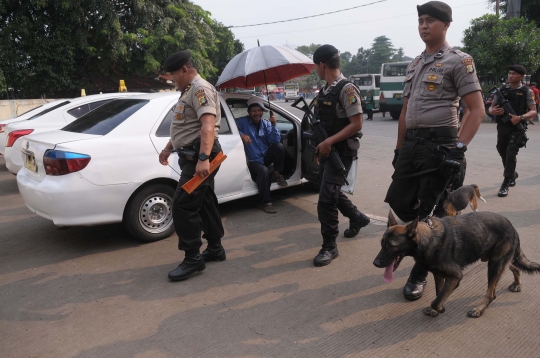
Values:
[(214, 253), (355, 225), (325, 256), (190, 265), (504, 187), (513, 180), (414, 289)]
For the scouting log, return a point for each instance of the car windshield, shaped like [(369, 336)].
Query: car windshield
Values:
[(104, 119), (61, 104)]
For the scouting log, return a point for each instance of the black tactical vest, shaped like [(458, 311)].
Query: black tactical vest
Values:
[(517, 98), (326, 106)]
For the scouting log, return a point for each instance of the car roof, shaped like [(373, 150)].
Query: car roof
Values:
[(97, 97)]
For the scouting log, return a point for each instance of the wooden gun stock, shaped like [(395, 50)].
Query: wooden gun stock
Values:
[(194, 182)]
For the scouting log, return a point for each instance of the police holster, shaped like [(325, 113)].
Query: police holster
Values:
[(191, 153), (519, 138)]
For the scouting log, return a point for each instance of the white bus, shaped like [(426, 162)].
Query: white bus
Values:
[(368, 82), (392, 83), (291, 92)]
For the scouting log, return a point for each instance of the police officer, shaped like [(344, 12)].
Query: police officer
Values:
[(194, 135), (511, 136), (429, 151), (339, 108)]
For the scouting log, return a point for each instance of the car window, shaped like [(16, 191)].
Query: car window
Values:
[(104, 119), (164, 129), (79, 111), (97, 104), (49, 110), (238, 108)]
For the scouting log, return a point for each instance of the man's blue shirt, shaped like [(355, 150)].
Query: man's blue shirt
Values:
[(261, 139)]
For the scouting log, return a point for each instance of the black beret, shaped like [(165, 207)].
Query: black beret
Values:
[(324, 53), (518, 68), (436, 9), (176, 60)]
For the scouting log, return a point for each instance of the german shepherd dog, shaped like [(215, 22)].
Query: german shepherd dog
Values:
[(449, 245), (460, 198)]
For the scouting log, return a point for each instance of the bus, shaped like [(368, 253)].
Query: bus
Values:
[(392, 83), (368, 82), (291, 91)]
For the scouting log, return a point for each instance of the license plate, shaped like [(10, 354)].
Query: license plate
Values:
[(30, 162), (397, 95)]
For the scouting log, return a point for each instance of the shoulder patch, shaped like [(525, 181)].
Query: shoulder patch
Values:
[(468, 63), (353, 99), (349, 90)]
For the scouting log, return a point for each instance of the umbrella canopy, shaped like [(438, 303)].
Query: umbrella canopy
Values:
[(280, 64)]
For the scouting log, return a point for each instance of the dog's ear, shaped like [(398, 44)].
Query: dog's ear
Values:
[(391, 219), (412, 229)]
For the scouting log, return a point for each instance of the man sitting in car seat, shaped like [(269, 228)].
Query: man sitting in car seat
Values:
[(263, 148)]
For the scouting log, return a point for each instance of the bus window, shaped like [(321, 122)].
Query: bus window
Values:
[(394, 70), (377, 81)]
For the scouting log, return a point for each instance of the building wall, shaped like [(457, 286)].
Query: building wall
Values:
[(13, 108)]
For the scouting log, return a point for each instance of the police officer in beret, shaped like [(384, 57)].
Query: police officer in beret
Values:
[(339, 109), (429, 150), (194, 135), (510, 136)]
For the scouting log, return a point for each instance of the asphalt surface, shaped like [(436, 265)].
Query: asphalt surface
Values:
[(94, 292)]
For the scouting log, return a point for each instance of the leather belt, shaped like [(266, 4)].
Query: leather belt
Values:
[(434, 133)]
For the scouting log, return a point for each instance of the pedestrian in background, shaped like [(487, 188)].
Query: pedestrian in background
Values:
[(536, 97), (369, 105), (429, 151), (510, 137), (194, 134)]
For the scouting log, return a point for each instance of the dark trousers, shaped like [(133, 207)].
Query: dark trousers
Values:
[(331, 199), (508, 148), (411, 195), (260, 174), (196, 212), (369, 113)]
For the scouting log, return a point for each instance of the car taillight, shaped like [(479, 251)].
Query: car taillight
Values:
[(2, 128), (58, 162), (13, 136), (381, 97)]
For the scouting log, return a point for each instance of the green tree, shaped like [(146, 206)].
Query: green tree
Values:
[(495, 43), (307, 82), (3, 86), (308, 50), (530, 9), (55, 47)]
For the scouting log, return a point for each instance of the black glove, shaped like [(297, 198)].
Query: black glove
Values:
[(396, 155), (452, 161)]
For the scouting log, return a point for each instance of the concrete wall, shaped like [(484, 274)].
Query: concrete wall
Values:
[(13, 108)]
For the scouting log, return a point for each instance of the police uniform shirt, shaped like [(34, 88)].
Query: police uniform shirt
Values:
[(199, 98), (434, 85), (349, 103), (530, 97)]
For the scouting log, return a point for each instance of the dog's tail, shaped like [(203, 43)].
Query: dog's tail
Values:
[(477, 191), (523, 263)]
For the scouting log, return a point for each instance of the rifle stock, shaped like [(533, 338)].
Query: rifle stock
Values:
[(507, 108), (194, 182)]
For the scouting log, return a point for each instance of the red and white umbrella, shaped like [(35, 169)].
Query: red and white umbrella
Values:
[(265, 64)]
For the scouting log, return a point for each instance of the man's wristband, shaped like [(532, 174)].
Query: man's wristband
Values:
[(167, 151)]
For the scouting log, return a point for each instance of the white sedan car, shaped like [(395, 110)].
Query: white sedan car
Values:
[(104, 167), (53, 118), (29, 115)]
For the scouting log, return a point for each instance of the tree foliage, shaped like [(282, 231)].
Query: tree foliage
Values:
[(309, 81), (56, 47), (530, 9), (495, 43), (369, 60)]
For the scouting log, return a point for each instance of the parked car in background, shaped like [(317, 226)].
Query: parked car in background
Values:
[(54, 119), (29, 115), (104, 168)]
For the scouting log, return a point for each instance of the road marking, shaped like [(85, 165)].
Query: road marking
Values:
[(377, 220)]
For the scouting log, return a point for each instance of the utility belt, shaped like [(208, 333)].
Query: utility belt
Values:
[(434, 134), (191, 152)]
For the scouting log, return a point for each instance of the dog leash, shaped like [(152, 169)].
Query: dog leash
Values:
[(427, 219)]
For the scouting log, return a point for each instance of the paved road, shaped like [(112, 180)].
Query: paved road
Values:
[(93, 292)]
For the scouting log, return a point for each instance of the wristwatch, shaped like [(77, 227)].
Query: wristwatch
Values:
[(522, 117), (203, 156), (461, 145)]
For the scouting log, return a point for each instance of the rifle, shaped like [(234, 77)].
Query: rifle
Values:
[(508, 109), (319, 135), (194, 182)]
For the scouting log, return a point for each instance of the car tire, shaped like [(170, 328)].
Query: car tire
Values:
[(395, 115), (148, 214)]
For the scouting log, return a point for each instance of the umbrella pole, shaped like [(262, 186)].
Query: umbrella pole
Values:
[(266, 85)]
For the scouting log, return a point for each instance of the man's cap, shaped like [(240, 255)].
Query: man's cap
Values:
[(256, 101), (436, 9), (533, 84), (324, 53), (176, 61), (518, 68)]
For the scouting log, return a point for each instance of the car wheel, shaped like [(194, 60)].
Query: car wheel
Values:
[(148, 215), (395, 115)]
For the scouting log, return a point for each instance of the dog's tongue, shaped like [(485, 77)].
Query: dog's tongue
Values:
[(389, 273)]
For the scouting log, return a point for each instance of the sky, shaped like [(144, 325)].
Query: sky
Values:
[(347, 30)]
